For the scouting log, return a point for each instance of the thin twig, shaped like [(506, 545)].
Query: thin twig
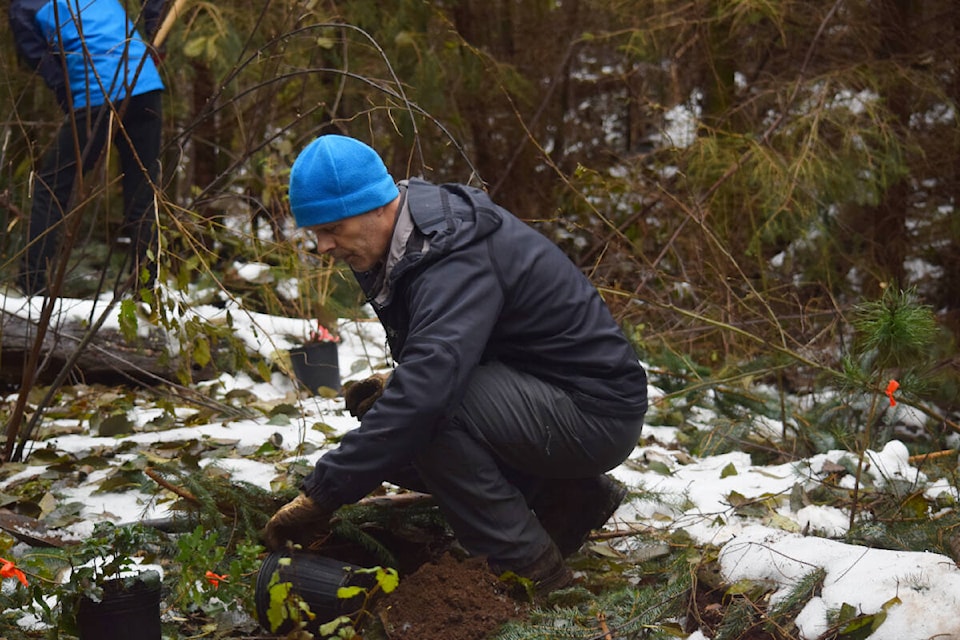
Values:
[(172, 488), (631, 530), (933, 455)]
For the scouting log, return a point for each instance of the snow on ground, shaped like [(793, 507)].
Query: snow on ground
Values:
[(921, 591)]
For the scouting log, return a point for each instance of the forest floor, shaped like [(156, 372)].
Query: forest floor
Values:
[(725, 528)]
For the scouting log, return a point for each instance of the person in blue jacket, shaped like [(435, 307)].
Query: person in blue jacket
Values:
[(103, 74), (515, 390)]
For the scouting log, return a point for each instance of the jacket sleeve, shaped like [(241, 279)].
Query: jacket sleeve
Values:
[(36, 53)]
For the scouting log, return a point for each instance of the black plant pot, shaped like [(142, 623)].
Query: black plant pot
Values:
[(316, 365), (315, 579), (130, 610)]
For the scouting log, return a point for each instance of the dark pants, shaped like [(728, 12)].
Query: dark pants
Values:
[(512, 434), (137, 139)]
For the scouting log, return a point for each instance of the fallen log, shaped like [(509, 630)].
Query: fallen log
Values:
[(108, 358), (32, 531)]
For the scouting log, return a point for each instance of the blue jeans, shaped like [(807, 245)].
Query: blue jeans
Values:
[(511, 435), (137, 138)]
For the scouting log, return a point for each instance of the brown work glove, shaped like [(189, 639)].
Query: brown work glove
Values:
[(360, 396), (300, 521)]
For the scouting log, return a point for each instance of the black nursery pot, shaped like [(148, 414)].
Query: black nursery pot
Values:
[(317, 365), (315, 579), (127, 612)]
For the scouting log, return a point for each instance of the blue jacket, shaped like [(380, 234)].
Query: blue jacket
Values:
[(109, 59), (475, 284)]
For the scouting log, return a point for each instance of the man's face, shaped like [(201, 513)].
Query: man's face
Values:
[(360, 241)]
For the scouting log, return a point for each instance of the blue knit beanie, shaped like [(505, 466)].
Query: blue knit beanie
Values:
[(336, 177)]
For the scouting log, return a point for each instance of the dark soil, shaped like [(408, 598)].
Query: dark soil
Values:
[(450, 599), (439, 594)]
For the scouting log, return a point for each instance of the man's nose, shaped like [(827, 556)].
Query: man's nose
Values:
[(325, 243)]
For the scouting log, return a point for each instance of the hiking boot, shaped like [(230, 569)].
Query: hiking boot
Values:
[(547, 573), (570, 509)]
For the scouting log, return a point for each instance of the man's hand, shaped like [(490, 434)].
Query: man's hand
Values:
[(300, 521), (360, 396)]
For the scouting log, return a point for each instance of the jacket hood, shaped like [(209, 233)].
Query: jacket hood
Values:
[(451, 216)]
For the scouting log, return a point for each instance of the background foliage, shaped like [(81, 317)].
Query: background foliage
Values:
[(734, 175)]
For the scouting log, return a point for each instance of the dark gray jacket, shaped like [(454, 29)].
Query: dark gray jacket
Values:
[(475, 284)]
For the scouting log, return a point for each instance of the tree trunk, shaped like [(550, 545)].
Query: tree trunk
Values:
[(885, 225)]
